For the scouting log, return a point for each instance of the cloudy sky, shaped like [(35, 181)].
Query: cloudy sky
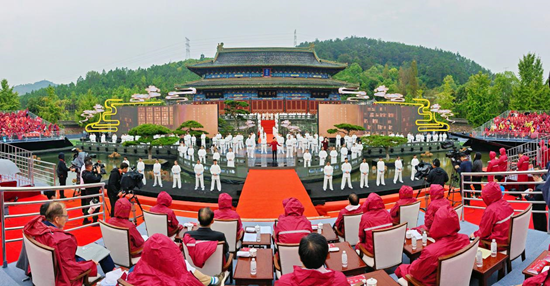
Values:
[(61, 40)]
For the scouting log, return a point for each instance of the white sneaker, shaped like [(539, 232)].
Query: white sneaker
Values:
[(211, 189), (383, 184)]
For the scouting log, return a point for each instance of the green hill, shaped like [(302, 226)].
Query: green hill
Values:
[(23, 89), (433, 64)]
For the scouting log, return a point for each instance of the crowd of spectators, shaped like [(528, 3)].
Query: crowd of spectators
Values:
[(520, 125), (21, 124)]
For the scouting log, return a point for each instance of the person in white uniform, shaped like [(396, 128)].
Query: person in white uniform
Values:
[(216, 154), (380, 170), (157, 169), (364, 169), (333, 156), (103, 138), (125, 160), (114, 138), (322, 157), (176, 171), (202, 154), (141, 169), (250, 146), (328, 171), (263, 144), (290, 142), (93, 138), (199, 175), (215, 171), (428, 137), (191, 153), (307, 159), (193, 140), (398, 170), (182, 149), (203, 140), (346, 174), (435, 137), (414, 163), (338, 139), (187, 139), (343, 153), (230, 156)]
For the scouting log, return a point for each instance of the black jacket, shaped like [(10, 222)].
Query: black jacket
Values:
[(113, 186), (206, 233), (62, 170), (437, 176), (90, 177), (466, 167)]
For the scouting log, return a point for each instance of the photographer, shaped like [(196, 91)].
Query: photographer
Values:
[(113, 186), (89, 176), (437, 175), (465, 166)]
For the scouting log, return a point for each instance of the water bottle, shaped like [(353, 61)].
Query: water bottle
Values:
[(258, 233), (413, 242), (253, 267), (479, 259), (494, 248), (344, 259), (424, 238)]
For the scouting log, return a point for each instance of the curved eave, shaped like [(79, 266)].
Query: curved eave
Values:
[(203, 85)]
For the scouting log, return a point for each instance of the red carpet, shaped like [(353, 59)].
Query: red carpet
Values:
[(268, 125), (264, 191)]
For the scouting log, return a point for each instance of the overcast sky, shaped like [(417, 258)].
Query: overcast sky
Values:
[(61, 40)]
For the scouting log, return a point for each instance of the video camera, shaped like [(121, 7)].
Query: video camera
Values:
[(456, 154), (130, 181), (422, 170), (101, 166)]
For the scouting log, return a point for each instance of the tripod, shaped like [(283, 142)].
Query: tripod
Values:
[(427, 195), (134, 200), (454, 187)]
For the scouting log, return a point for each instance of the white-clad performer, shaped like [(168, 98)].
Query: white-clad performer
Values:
[(343, 153), (414, 163), (322, 157), (307, 159), (346, 174), (215, 171), (176, 170), (191, 153), (199, 175), (333, 156), (398, 170), (328, 170), (141, 169), (380, 170), (230, 156), (157, 169), (364, 169)]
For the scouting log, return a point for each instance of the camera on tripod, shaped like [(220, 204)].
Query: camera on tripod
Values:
[(456, 154), (422, 170), (101, 166), (130, 181)]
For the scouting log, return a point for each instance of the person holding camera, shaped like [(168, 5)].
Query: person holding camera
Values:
[(113, 186), (465, 166), (89, 176), (437, 175)]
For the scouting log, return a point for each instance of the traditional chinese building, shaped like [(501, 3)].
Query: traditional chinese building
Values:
[(271, 80)]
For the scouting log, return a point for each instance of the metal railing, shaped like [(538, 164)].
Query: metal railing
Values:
[(22, 159), (531, 149), (505, 175), (5, 216), (45, 172)]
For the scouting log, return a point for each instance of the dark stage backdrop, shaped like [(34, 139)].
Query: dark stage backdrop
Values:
[(170, 116), (376, 118)]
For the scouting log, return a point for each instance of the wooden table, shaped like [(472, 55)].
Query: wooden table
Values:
[(540, 257), (264, 269), (381, 277), (265, 242), (356, 265), (490, 265), (328, 233), (413, 254)]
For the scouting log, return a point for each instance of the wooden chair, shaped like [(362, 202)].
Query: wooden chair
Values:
[(351, 228), (43, 263), (123, 283), (287, 256), (409, 214), (387, 247), (229, 228), (117, 240), (452, 269), (214, 265)]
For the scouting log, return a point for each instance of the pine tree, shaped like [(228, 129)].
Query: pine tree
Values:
[(531, 93)]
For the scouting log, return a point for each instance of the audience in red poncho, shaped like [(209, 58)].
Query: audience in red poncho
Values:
[(20, 124), (520, 124)]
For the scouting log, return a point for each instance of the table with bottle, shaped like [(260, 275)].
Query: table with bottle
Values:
[(256, 269), (487, 262), (345, 259)]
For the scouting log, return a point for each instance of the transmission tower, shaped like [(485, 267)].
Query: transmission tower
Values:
[(295, 38), (187, 48)]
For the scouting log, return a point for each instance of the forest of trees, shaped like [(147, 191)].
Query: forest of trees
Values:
[(446, 78)]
